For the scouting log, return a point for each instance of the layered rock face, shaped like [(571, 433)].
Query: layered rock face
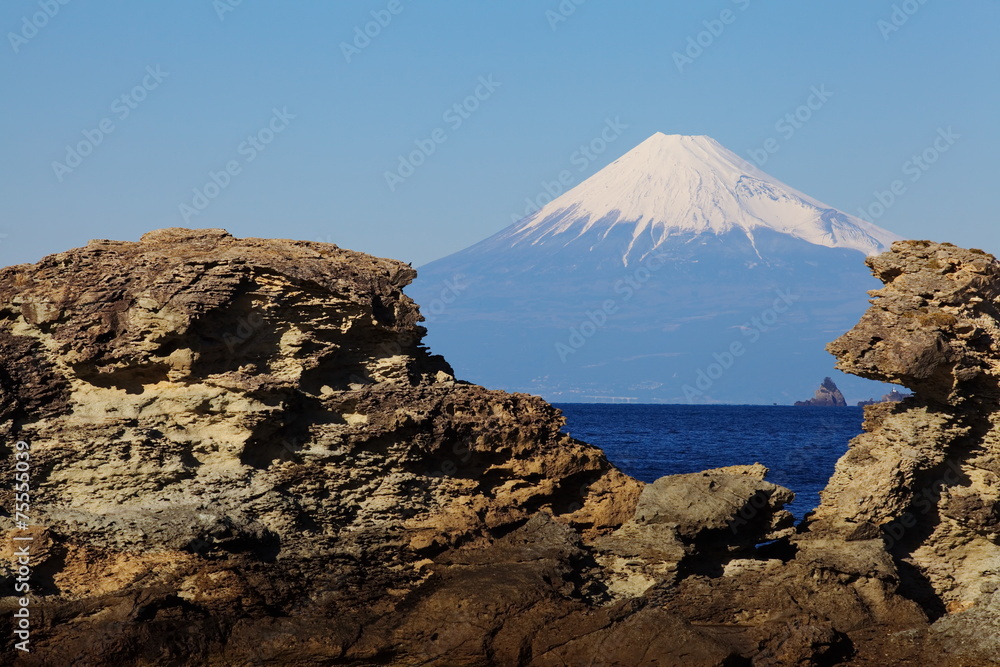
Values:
[(927, 472), (242, 455), (241, 445)]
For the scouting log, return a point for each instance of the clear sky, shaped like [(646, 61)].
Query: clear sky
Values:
[(299, 115)]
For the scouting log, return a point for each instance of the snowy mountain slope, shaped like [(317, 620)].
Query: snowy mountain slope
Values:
[(670, 253), (674, 184)]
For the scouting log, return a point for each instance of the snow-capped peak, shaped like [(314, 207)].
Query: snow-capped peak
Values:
[(676, 184)]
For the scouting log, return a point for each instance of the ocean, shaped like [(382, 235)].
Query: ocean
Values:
[(800, 445)]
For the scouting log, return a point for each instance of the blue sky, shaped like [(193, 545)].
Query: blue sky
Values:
[(307, 128)]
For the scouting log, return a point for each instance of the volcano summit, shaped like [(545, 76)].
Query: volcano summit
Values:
[(678, 273)]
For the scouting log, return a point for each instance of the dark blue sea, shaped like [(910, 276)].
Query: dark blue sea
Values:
[(799, 445)]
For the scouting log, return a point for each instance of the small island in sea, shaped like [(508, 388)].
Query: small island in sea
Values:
[(828, 395)]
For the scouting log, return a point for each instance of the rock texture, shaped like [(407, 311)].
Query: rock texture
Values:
[(926, 475), (239, 444), (242, 454), (826, 396)]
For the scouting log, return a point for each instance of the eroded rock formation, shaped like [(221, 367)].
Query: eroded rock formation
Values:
[(237, 443), (243, 455), (926, 473)]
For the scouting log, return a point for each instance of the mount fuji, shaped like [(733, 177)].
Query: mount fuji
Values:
[(679, 273)]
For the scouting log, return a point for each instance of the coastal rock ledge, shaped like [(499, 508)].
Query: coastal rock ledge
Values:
[(242, 454)]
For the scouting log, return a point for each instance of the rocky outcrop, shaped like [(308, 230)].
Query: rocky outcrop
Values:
[(242, 454), (236, 441), (826, 396), (925, 477)]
